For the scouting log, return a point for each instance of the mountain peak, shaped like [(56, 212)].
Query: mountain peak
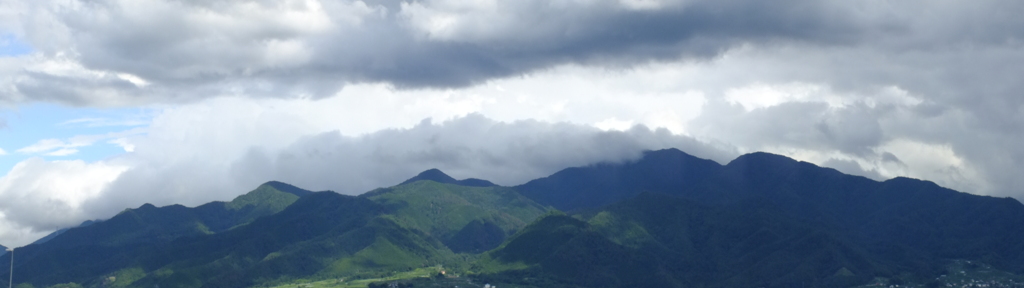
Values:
[(664, 171), (761, 158), (440, 177), (432, 175), (287, 188), (272, 195), (664, 152), (673, 157)]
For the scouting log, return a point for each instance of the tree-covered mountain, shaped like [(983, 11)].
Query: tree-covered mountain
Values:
[(666, 219), (281, 237), (904, 223), (656, 240), (464, 218), (664, 171), (76, 253), (54, 234)]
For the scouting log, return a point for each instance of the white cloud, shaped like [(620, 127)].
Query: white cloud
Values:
[(762, 95), (614, 124), (46, 145), (57, 147), (15, 234), (62, 152), (40, 196), (124, 143), (104, 122), (182, 159), (506, 153), (138, 81), (2, 152)]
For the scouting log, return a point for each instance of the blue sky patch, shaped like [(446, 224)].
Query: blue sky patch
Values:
[(12, 46), (56, 132)]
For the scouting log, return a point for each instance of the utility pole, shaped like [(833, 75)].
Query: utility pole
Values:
[(10, 282)]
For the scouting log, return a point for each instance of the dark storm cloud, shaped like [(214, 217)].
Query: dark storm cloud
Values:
[(76, 92), (959, 54), (229, 47), (606, 34)]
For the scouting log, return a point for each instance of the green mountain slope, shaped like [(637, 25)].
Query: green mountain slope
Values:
[(302, 240), (54, 234), (267, 199), (658, 240), (465, 219), (394, 229), (667, 171), (149, 224), (72, 255), (268, 236), (913, 223), (668, 219)]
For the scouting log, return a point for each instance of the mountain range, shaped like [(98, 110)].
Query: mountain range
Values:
[(667, 219)]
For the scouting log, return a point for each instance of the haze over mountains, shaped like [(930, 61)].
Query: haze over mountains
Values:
[(667, 219)]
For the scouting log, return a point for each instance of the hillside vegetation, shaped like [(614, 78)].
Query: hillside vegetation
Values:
[(668, 219)]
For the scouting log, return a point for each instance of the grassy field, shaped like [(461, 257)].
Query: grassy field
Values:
[(356, 283), (422, 277)]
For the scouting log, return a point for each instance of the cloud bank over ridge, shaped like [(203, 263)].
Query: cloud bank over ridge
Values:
[(167, 173)]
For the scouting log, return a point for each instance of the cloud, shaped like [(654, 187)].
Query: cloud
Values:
[(62, 152), (57, 147), (103, 122), (181, 159), (124, 143), (880, 134), (310, 48), (2, 152), (853, 168), (473, 146), (508, 153), (47, 145), (815, 125), (44, 195)]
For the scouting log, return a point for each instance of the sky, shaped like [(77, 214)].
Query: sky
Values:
[(107, 105)]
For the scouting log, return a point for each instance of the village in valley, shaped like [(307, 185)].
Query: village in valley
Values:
[(959, 274)]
